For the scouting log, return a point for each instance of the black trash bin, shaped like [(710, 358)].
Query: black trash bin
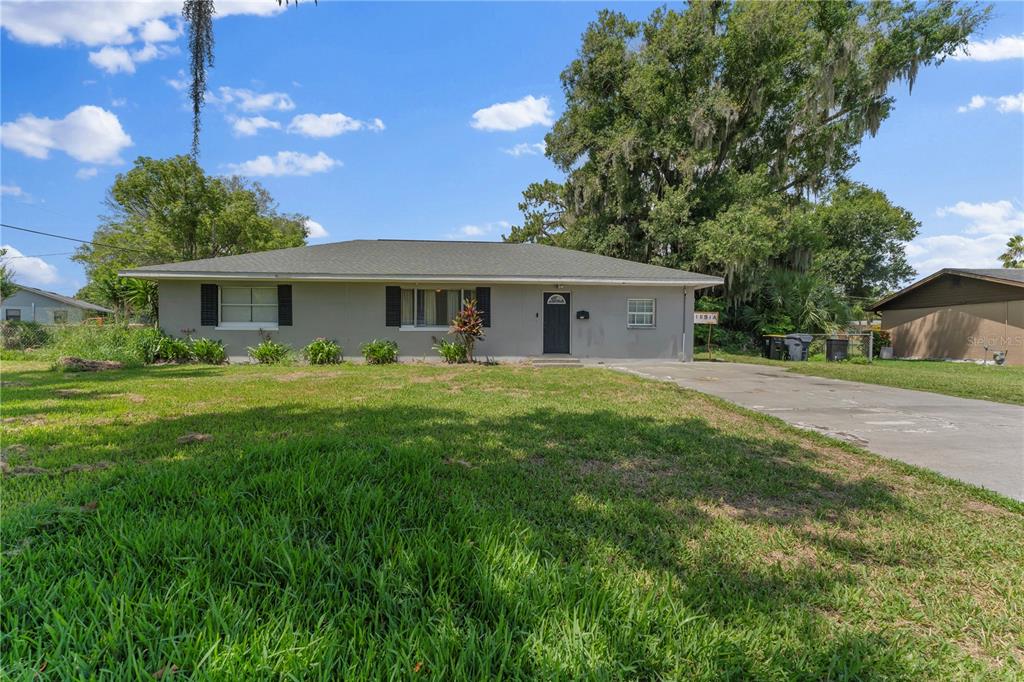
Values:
[(837, 349), (797, 345), (775, 347)]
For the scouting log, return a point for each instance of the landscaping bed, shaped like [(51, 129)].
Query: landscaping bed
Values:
[(466, 521)]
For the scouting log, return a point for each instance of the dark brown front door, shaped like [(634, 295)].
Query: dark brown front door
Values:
[(556, 322)]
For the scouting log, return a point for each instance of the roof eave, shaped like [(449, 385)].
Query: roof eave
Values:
[(935, 275), (320, 277)]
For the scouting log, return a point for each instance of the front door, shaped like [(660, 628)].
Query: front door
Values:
[(556, 322)]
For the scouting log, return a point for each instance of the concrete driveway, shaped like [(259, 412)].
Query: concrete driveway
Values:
[(973, 440)]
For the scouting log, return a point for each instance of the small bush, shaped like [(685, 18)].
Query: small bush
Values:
[(450, 351), (144, 343), (130, 346), (269, 352), (380, 352), (322, 352), (23, 335), (209, 351), (174, 350)]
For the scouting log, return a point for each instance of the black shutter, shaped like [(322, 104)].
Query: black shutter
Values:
[(284, 305), (208, 305), (483, 303), (392, 306)]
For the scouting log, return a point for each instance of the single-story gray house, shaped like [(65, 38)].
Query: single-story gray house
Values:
[(45, 307), (534, 299)]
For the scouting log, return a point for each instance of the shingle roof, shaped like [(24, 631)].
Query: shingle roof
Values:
[(374, 260), (1013, 276), (66, 299)]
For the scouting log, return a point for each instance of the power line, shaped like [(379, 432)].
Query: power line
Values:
[(74, 239)]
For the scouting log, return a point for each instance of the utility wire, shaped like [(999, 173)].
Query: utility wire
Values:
[(74, 239)]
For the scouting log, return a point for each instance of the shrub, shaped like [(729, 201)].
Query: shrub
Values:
[(380, 352), (22, 335), (468, 325), (174, 350), (269, 352), (209, 351), (450, 351), (144, 343), (322, 352)]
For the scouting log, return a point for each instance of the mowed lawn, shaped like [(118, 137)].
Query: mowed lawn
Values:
[(962, 379), (435, 522)]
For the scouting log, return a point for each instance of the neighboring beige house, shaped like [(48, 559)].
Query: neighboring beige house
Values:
[(956, 314), (534, 299), (45, 307)]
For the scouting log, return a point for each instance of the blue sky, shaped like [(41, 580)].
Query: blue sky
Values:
[(418, 120)]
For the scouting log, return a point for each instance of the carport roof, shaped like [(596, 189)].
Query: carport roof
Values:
[(427, 261)]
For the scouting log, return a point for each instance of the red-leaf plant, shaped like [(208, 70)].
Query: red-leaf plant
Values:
[(468, 326)]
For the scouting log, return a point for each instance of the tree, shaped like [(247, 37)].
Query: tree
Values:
[(863, 238), (7, 285), (468, 326), (707, 138), (1013, 257), (168, 210)]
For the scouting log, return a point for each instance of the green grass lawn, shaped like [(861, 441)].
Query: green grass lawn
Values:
[(961, 379), (433, 522)]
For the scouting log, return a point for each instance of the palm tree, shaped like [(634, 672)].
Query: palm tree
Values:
[(1013, 257)]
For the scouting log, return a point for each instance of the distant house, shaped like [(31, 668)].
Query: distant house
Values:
[(956, 314), (45, 307), (534, 299)]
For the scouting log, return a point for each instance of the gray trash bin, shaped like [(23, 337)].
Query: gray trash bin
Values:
[(797, 345)]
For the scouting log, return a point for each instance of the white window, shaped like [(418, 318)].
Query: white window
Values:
[(13, 314), (640, 312), (433, 307), (248, 307)]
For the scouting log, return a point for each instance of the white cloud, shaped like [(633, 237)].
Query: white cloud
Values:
[(928, 254), (86, 173), (89, 133), (528, 111), (249, 101), (246, 127), (1004, 47), (330, 125), (120, 60), (107, 23), (31, 271), (12, 191), (526, 149), (995, 217), (482, 231), (988, 226), (113, 60), (1005, 105), (179, 83), (118, 102), (284, 163), (157, 31), (316, 230)]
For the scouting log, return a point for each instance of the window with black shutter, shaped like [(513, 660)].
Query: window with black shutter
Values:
[(483, 303), (393, 306), (208, 296), (284, 305)]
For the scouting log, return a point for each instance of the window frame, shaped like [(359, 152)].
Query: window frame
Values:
[(7, 315), (60, 312), (630, 324), (414, 327), (226, 325)]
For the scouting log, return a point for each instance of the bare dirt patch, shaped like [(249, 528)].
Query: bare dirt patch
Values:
[(194, 438), (32, 470), (80, 365), (637, 473), (130, 397), (70, 392), (26, 420)]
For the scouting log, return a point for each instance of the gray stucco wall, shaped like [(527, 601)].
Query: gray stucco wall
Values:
[(352, 314), (36, 308)]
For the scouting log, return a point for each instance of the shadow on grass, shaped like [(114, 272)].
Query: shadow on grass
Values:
[(547, 543)]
